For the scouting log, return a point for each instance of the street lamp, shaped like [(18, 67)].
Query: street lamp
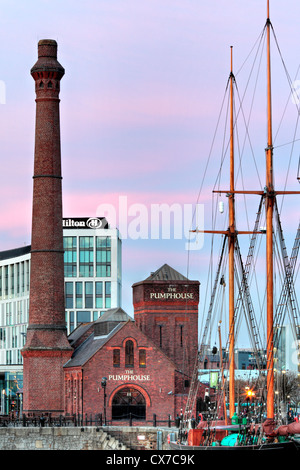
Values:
[(249, 396), (103, 385)]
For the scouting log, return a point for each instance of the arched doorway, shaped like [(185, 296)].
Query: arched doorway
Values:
[(126, 401)]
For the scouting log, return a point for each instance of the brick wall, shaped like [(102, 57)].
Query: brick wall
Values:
[(154, 381), (167, 312)]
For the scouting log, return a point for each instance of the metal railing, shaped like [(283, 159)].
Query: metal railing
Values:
[(47, 420)]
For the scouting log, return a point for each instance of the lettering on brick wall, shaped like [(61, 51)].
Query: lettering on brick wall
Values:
[(172, 295), (129, 375)]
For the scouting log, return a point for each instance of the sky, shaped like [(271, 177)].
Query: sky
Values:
[(140, 100)]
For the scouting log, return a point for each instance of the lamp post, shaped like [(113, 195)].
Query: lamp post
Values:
[(103, 385)]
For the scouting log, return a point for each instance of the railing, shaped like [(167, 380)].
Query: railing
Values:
[(47, 420)]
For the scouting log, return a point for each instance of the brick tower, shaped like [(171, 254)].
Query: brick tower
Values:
[(166, 310), (47, 348)]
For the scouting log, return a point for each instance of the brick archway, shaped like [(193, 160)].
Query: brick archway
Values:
[(127, 403), (130, 385)]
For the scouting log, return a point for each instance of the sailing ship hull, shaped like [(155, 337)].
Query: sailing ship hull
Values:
[(289, 446)]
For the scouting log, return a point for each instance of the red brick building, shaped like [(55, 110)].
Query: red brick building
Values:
[(139, 376), (146, 363)]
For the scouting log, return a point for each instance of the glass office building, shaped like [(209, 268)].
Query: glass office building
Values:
[(92, 261), (93, 284)]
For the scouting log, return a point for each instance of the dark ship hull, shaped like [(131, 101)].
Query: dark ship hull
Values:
[(292, 445)]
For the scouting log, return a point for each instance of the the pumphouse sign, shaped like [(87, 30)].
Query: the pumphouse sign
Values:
[(171, 292)]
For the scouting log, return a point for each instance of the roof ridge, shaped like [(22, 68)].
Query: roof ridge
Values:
[(166, 273)]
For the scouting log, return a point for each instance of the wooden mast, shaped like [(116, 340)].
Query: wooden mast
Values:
[(270, 196), (231, 243)]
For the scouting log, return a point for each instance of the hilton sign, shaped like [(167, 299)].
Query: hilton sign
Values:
[(85, 223)]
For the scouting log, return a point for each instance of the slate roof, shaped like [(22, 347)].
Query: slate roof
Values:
[(166, 273), (78, 332), (90, 346), (114, 314), (115, 318)]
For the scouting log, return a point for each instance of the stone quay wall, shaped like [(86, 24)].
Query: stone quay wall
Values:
[(57, 438), (84, 438)]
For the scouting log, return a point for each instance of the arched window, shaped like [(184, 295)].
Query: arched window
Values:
[(129, 354), (128, 401)]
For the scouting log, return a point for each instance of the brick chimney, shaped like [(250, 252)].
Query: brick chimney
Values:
[(47, 348)]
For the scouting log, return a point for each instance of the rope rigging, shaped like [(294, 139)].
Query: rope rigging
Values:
[(244, 274)]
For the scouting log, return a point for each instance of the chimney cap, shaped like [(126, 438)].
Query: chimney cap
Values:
[(50, 42), (47, 48), (47, 59)]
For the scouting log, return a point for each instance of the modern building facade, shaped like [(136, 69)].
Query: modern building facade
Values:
[(14, 307), (93, 284), (93, 269)]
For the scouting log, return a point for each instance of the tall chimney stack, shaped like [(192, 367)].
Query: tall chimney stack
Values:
[(47, 348)]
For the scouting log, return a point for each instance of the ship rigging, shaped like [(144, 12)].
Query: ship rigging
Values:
[(239, 298)]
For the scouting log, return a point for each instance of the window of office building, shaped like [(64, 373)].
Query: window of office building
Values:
[(6, 281), (2, 338), (72, 321), (70, 256), (86, 256), (89, 298), (8, 307), (19, 311), (8, 357), (19, 357), (78, 294), (27, 275), (95, 316), (69, 294), (83, 317), (108, 294), (103, 256), (14, 338), (99, 294), (12, 281), (18, 279), (22, 278)]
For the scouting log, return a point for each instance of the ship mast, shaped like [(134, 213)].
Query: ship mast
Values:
[(231, 245), (270, 197)]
